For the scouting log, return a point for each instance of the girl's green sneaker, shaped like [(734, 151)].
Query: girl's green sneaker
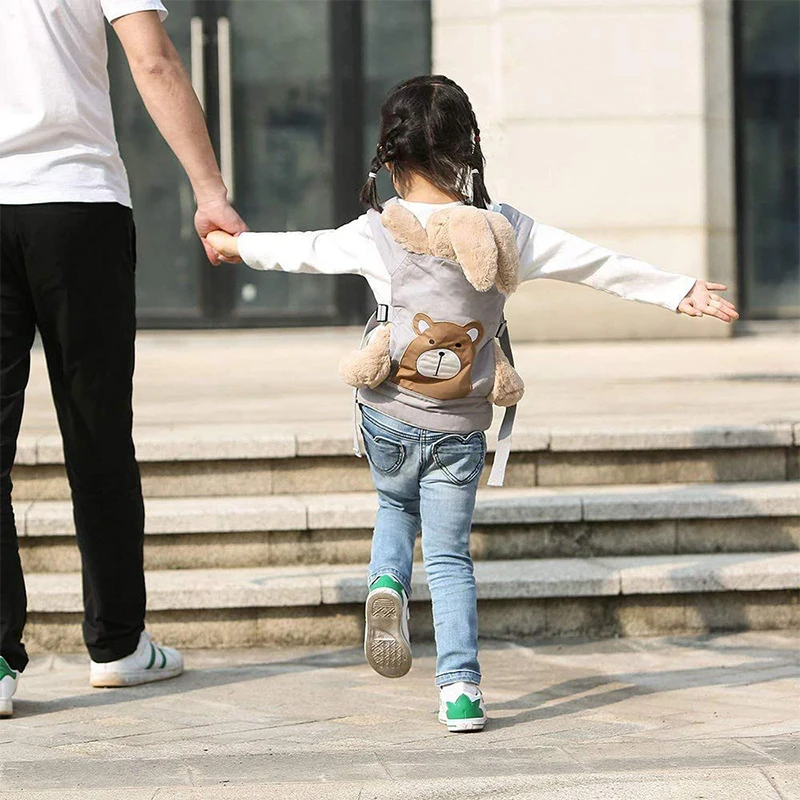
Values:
[(461, 707), (386, 643), (9, 679)]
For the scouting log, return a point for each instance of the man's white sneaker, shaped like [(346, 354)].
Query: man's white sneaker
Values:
[(386, 643), (9, 680), (461, 707), (149, 662)]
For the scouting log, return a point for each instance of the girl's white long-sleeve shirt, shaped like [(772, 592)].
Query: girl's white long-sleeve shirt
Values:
[(548, 253)]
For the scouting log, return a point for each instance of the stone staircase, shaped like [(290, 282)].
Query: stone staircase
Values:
[(257, 535)]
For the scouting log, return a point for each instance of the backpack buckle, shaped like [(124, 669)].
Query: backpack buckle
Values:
[(501, 330), (382, 313)]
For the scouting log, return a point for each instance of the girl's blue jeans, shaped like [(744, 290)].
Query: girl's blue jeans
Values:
[(427, 480)]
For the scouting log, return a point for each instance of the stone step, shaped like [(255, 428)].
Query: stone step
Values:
[(509, 523), (322, 605), (191, 461)]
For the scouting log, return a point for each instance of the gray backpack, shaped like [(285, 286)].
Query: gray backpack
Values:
[(439, 356)]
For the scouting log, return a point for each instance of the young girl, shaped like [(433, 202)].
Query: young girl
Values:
[(424, 404)]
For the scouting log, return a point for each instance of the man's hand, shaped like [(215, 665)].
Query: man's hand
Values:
[(702, 302), (217, 215)]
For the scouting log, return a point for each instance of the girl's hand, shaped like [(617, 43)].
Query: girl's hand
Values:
[(702, 302), (225, 244)]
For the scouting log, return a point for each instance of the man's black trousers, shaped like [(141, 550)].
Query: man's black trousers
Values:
[(67, 270)]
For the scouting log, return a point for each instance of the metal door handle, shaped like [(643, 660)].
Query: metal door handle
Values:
[(226, 164), (198, 61)]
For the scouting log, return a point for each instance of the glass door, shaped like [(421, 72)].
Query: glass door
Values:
[(767, 36), (291, 88)]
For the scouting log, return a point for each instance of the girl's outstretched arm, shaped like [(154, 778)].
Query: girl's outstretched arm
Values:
[(558, 255)]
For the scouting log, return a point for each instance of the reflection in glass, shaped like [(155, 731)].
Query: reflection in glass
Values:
[(768, 134), (282, 133)]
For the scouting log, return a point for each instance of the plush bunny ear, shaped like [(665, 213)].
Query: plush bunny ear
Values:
[(438, 232), (405, 229), (507, 279), (474, 246)]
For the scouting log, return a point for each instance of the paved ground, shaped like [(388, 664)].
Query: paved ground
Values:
[(674, 719), (653, 719), (289, 378)]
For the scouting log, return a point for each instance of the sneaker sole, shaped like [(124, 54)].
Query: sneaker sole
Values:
[(385, 646), (463, 725), (6, 708), (116, 680)]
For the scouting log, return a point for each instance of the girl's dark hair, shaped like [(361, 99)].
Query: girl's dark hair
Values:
[(428, 127)]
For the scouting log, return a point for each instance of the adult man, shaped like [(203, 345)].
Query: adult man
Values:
[(67, 262)]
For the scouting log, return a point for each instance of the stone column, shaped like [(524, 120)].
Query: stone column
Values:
[(613, 120)]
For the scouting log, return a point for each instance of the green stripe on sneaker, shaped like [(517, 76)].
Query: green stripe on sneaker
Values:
[(6, 671), (388, 582), (163, 659), (152, 657)]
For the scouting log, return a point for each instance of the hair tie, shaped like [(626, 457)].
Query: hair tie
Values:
[(476, 172), (373, 175), (477, 138)]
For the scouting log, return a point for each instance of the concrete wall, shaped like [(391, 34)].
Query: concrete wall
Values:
[(611, 119)]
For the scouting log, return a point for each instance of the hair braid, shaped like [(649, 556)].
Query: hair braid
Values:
[(480, 195), (368, 195)]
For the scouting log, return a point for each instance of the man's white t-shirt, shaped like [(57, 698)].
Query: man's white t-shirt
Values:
[(57, 141)]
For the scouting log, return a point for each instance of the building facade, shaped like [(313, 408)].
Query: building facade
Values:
[(666, 129)]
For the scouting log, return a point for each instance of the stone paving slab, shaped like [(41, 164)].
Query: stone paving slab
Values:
[(689, 573), (655, 438), (692, 501), (271, 587), (663, 719), (185, 515), (349, 511), (717, 784)]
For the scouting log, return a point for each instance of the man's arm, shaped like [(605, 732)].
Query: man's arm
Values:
[(170, 100)]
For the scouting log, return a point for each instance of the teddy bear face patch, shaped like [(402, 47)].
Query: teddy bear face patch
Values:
[(438, 361)]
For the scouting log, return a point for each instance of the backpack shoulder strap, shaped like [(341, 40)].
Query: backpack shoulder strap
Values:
[(391, 253), (521, 223)]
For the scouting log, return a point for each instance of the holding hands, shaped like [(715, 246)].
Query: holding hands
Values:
[(226, 245), (212, 215), (702, 302)]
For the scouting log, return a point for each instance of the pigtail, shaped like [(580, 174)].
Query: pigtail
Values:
[(480, 195), (369, 191)]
